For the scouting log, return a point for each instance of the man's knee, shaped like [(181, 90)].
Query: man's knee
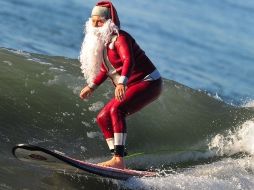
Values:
[(117, 109), (102, 117)]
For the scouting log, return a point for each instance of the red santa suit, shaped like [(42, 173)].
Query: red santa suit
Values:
[(124, 62)]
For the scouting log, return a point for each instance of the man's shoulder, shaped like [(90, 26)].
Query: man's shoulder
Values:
[(124, 34)]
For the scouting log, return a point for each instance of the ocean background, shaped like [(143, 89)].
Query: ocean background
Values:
[(198, 135)]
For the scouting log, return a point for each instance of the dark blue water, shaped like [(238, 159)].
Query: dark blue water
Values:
[(205, 45)]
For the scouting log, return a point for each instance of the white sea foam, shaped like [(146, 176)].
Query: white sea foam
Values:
[(96, 106), (52, 81), (83, 149), (93, 134), (86, 124), (239, 140), (8, 62), (57, 69), (249, 104), (217, 97), (107, 94), (38, 61), (20, 52), (76, 89), (228, 174)]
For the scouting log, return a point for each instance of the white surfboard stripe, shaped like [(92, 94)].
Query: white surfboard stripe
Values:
[(120, 138)]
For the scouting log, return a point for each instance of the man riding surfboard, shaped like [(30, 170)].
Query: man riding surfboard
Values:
[(109, 52)]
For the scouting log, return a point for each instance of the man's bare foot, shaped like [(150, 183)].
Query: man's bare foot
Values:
[(115, 162)]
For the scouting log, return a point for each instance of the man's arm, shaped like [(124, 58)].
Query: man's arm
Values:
[(100, 78), (124, 49)]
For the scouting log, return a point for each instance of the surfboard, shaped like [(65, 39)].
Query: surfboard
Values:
[(54, 159)]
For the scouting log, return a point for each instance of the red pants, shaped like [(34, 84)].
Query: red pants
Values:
[(111, 118)]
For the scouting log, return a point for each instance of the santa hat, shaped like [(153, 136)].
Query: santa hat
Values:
[(106, 9)]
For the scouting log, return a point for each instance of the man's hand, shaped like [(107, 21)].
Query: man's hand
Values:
[(120, 92), (86, 92)]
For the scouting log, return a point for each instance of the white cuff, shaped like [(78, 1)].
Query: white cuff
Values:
[(110, 142), (92, 85), (123, 80), (119, 138), (152, 76)]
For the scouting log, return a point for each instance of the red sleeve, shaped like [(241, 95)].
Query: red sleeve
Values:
[(101, 76), (124, 49)]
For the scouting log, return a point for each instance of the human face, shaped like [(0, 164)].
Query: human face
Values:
[(98, 21)]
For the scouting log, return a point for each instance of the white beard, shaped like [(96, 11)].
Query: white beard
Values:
[(91, 54)]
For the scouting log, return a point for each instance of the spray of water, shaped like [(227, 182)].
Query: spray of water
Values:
[(240, 139)]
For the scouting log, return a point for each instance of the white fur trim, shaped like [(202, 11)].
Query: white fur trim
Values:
[(122, 80), (110, 142), (152, 76), (111, 45), (100, 11), (92, 85), (119, 138)]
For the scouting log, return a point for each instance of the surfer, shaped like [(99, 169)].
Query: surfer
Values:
[(109, 52)]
